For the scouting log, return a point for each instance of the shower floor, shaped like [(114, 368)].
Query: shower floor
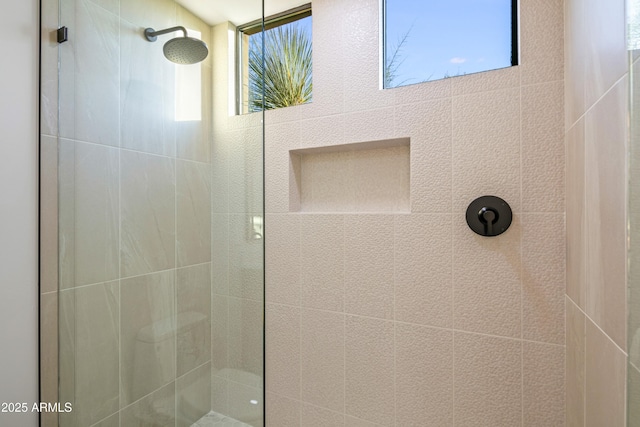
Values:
[(214, 419)]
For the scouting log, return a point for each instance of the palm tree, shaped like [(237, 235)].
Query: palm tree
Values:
[(285, 79)]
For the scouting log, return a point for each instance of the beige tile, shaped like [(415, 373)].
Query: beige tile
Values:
[(574, 365), (111, 5), (328, 61), (49, 351), (633, 197), (543, 269), (148, 334), (193, 213), (486, 81), (246, 262), (369, 266), (112, 421), (283, 115), (283, 351), (541, 41), (418, 92), (282, 265), (606, 54), (313, 416), (361, 64), (246, 325), (147, 213), (193, 396), (605, 380), (48, 214), (322, 255), (326, 182), (322, 131), (66, 221), (322, 359), (576, 243), (543, 379), (96, 241), (487, 280), (219, 333), (147, 99), (423, 271), (219, 394), (282, 411), (66, 357), (356, 422), (485, 124), (381, 180), (575, 50), (89, 70), (279, 139), (220, 253), (150, 13), (88, 214), (156, 409), (606, 150), (243, 406), (94, 313), (428, 125), (370, 125), (220, 151), (245, 171), (487, 381), (49, 68), (369, 369), (193, 304), (633, 392), (543, 148), (424, 376)]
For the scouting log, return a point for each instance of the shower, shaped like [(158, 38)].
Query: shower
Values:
[(180, 50)]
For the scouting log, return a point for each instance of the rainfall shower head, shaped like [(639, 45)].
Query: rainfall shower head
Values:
[(181, 50)]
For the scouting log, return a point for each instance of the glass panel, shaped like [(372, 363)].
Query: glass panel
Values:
[(633, 295), (160, 197), (426, 41)]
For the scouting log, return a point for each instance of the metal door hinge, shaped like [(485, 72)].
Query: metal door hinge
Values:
[(63, 35)]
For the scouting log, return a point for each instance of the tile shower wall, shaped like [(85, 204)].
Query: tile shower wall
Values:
[(133, 211), (382, 319), (597, 80)]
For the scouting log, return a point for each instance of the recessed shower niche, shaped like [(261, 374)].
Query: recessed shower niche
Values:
[(370, 176)]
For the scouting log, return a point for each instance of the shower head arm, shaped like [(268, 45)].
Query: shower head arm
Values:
[(152, 34)]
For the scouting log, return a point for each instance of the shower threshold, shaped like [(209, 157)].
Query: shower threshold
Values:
[(214, 419)]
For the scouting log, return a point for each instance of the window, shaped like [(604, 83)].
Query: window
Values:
[(287, 76), (433, 40)]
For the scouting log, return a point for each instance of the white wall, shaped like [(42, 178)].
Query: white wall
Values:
[(19, 208)]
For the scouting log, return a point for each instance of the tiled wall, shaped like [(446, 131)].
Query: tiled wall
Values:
[(596, 91), (410, 319), (133, 215)]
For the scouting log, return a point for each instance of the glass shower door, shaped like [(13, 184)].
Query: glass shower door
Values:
[(160, 189)]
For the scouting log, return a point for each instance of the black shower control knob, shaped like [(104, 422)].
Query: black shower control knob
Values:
[(489, 216)]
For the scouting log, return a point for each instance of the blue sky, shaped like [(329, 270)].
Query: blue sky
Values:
[(448, 37)]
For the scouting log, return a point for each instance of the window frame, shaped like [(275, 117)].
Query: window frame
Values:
[(242, 47), (515, 40)]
